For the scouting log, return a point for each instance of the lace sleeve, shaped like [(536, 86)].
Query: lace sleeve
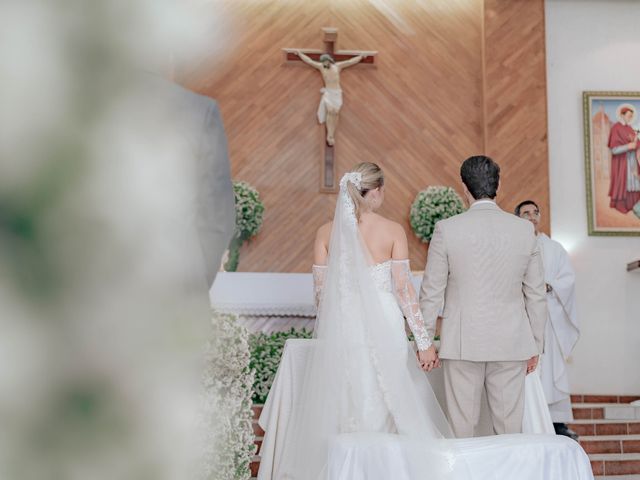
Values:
[(408, 301), (319, 273)]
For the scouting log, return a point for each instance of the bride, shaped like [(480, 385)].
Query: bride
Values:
[(364, 381)]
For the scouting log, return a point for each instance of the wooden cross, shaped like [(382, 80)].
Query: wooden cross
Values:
[(328, 182)]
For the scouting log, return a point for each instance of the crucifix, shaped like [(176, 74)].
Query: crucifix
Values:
[(329, 63)]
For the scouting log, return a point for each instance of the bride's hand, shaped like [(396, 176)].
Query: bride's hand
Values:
[(532, 363), (428, 359)]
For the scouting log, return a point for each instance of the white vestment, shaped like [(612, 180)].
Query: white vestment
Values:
[(561, 332), (331, 99)]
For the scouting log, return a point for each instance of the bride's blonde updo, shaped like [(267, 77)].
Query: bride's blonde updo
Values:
[(372, 178)]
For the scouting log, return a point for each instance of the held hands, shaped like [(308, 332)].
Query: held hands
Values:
[(532, 364), (428, 359)]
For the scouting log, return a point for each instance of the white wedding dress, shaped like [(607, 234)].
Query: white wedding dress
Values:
[(366, 410)]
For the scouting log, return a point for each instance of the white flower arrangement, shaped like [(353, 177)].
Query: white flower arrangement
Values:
[(431, 205), (227, 414)]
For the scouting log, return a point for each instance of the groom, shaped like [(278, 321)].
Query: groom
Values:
[(485, 266)]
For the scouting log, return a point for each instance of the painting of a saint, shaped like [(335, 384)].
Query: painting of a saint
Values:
[(612, 153)]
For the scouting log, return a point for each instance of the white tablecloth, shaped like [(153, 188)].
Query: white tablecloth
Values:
[(541, 456), (263, 294), (269, 302), (497, 457)]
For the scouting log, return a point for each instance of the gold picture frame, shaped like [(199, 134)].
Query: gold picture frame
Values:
[(612, 168)]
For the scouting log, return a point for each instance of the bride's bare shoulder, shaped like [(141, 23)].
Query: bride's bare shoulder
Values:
[(393, 228)]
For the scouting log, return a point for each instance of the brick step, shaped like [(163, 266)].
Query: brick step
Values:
[(617, 477), (615, 463), (255, 465), (611, 444), (258, 443), (604, 398), (257, 429), (259, 437), (609, 411), (605, 427)]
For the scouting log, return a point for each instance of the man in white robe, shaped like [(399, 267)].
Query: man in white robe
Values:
[(561, 332)]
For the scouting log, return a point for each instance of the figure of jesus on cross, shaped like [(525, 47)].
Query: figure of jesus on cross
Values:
[(331, 100), (329, 62)]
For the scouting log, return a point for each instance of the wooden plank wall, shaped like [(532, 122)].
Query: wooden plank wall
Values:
[(516, 100), (453, 78)]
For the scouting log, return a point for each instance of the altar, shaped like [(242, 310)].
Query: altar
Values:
[(266, 302), (269, 302)]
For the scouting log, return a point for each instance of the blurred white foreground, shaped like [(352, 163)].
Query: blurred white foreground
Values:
[(101, 307)]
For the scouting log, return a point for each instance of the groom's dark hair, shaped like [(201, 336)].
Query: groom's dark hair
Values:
[(481, 175)]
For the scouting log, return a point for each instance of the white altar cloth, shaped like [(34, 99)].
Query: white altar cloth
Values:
[(274, 294), (544, 457), (269, 302)]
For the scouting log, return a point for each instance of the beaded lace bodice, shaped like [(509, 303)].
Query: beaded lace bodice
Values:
[(381, 273)]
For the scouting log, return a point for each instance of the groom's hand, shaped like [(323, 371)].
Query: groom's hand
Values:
[(428, 359), (532, 363)]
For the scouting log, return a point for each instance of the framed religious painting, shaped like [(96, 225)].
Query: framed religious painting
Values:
[(612, 162)]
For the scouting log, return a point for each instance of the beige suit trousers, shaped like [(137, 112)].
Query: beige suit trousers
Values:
[(464, 384)]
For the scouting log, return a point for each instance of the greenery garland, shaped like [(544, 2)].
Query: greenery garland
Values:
[(266, 350)]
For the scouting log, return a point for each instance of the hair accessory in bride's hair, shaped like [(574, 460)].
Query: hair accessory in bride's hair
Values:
[(353, 177)]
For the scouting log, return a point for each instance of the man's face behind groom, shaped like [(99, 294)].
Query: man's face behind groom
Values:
[(531, 212)]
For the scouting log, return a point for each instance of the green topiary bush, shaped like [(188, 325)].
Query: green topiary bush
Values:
[(431, 205), (249, 218)]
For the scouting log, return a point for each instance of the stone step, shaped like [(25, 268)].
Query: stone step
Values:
[(615, 463), (611, 444), (605, 427)]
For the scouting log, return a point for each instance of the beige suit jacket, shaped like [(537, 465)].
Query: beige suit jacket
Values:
[(485, 267)]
